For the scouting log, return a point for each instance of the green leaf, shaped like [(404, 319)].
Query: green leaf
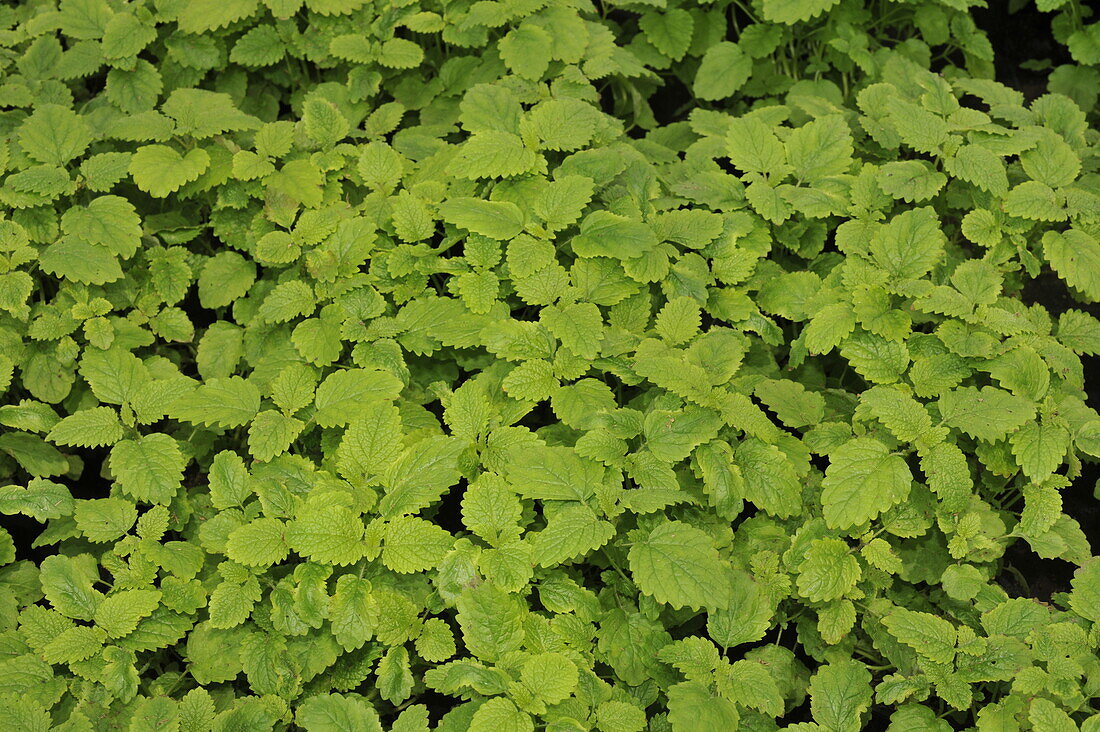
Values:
[(526, 50), (74, 645), (395, 679), (531, 380), (693, 706), (84, 19), (909, 245), (412, 544), (1084, 598), (80, 261), (820, 149), (767, 201), (840, 693), (1052, 161), (230, 483), (353, 612), (1075, 256), (159, 170), (987, 413), (929, 635), (93, 427), (570, 533), (880, 555), (102, 520), (829, 327), (337, 713), (492, 511), (905, 417), (1035, 201), (436, 642), (298, 180), (552, 474), (36, 456), (67, 584), (670, 32), (677, 564), (692, 228), (327, 535), (225, 277), (120, 612), (863, 480), (1045, 715), (494, 154), (340, 395), (41, 499), (149, 468), (975, 164), (207, 15), (671, 436), (828, 571), (795, 11), (563, 201), (420, 475), (919, 128), (791, 402), (260, 46), (578, 326), (753, 148), (494, 219), (287, 301), (220, 350), (272, 433), (750, 684), (910, 180), (371, 442), (724, 69), (605, 234), (15, 288), (1080, 332), (400, 53), (491, 621), (552, 677), (229, 402), (260, 543), (54, 135), (136, 91), (323, 122), (562, 124), (770, 479), (412, 221), (126, 36), (196, 709), (948, 474), (379, 165), (108, 221), (1040, 448), (500, 715)]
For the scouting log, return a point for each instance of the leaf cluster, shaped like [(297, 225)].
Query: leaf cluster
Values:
[(357, 355)]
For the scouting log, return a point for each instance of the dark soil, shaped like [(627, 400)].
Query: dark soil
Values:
[(1018, 38)]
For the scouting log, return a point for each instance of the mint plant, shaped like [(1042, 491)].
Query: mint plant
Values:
[(489, 366)]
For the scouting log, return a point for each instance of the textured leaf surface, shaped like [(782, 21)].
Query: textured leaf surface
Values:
[(863, 480), (678, 564), (515, 366)]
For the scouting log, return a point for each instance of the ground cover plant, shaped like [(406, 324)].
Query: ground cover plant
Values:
[(548, 364)]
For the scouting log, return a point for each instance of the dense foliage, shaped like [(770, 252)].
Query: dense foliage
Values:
[(543, 364)]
